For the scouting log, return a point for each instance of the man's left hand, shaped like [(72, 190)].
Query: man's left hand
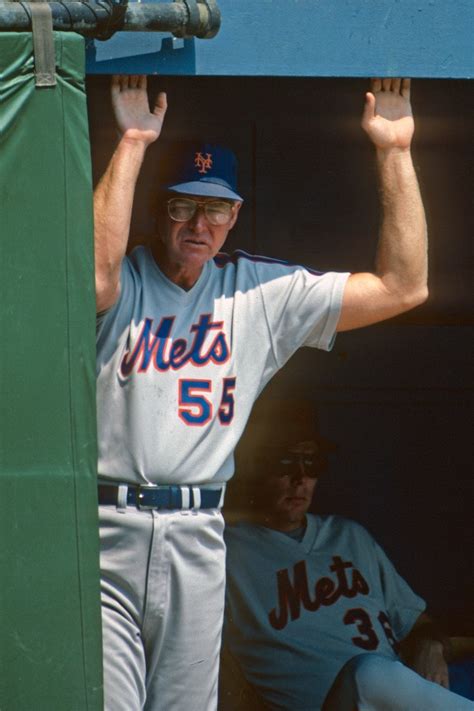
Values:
[(430, 663), (387, 117)]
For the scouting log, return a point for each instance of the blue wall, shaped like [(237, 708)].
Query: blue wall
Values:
[(327, 38)]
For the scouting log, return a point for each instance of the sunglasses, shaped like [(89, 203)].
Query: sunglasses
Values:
[(217, 212), (292, 464)]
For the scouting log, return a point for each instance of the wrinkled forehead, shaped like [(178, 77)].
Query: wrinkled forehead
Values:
[(164, 197), (198, 198)]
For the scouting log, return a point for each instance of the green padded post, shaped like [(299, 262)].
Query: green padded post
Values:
[(50, 639)]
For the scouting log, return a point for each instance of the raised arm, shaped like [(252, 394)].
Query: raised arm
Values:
[(113, 197), (399, 282)]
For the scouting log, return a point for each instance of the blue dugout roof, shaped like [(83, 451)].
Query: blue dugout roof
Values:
[(323, 38)]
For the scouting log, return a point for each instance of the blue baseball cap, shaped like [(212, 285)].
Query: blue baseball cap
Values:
[(207, 170)]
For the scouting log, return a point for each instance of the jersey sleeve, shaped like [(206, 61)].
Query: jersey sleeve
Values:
[(403, 606), (302, 307), (110, 324)]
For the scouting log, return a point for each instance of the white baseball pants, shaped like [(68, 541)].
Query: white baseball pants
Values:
[(373, 682), (162, 592)]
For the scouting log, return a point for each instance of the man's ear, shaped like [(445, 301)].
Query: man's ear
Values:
[(235, 214)]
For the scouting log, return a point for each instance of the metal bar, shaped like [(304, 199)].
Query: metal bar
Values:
[(91, 19)]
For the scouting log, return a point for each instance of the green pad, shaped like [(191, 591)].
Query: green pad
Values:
[(50, 645)]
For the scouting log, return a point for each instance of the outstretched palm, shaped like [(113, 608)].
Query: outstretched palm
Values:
[(132, 109), (387, 116)]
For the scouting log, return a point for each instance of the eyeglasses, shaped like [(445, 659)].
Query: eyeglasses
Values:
[(217, 212)]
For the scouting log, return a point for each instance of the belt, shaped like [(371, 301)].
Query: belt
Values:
[(161, 497)]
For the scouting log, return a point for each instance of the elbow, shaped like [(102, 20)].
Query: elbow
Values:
[(424, 294), (421, 295), (416, 297), (106, 294)]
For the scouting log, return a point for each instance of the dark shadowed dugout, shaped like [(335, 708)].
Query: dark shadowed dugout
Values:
[(282, 83), (395, 397)]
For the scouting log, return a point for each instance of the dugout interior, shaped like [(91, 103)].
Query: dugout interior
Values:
[(396, 397)]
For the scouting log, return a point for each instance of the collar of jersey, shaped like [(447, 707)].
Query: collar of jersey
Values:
[(177, 293), (307, 542)]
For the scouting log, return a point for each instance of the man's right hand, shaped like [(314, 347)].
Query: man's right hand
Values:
[(132, 109), (113, 197)]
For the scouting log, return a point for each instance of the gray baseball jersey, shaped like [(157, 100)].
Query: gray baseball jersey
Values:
[(297, 611), (179, 371)]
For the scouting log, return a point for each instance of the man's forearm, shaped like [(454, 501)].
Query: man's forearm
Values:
[(113, 203), (427, 632), (402, 261), (427, 650)]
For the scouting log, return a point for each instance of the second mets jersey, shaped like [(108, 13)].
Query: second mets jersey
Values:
[(297, 611)]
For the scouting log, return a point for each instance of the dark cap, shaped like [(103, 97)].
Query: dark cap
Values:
[(281, 424), (207, 170)]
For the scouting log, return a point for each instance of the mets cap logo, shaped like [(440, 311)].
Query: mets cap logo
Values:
[(203, 164)]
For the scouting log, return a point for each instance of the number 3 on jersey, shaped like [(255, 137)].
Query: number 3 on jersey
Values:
[(195, 408)]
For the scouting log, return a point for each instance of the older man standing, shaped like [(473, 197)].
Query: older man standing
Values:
[(187, 339)]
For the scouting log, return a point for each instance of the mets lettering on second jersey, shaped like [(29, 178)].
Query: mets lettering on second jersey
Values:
[(294, 595)]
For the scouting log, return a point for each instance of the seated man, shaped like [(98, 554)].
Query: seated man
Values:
[(315, 611)]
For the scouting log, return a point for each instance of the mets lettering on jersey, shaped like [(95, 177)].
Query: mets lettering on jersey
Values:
[(162, 352), (179, 371), (297, 611), (293, 596)]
